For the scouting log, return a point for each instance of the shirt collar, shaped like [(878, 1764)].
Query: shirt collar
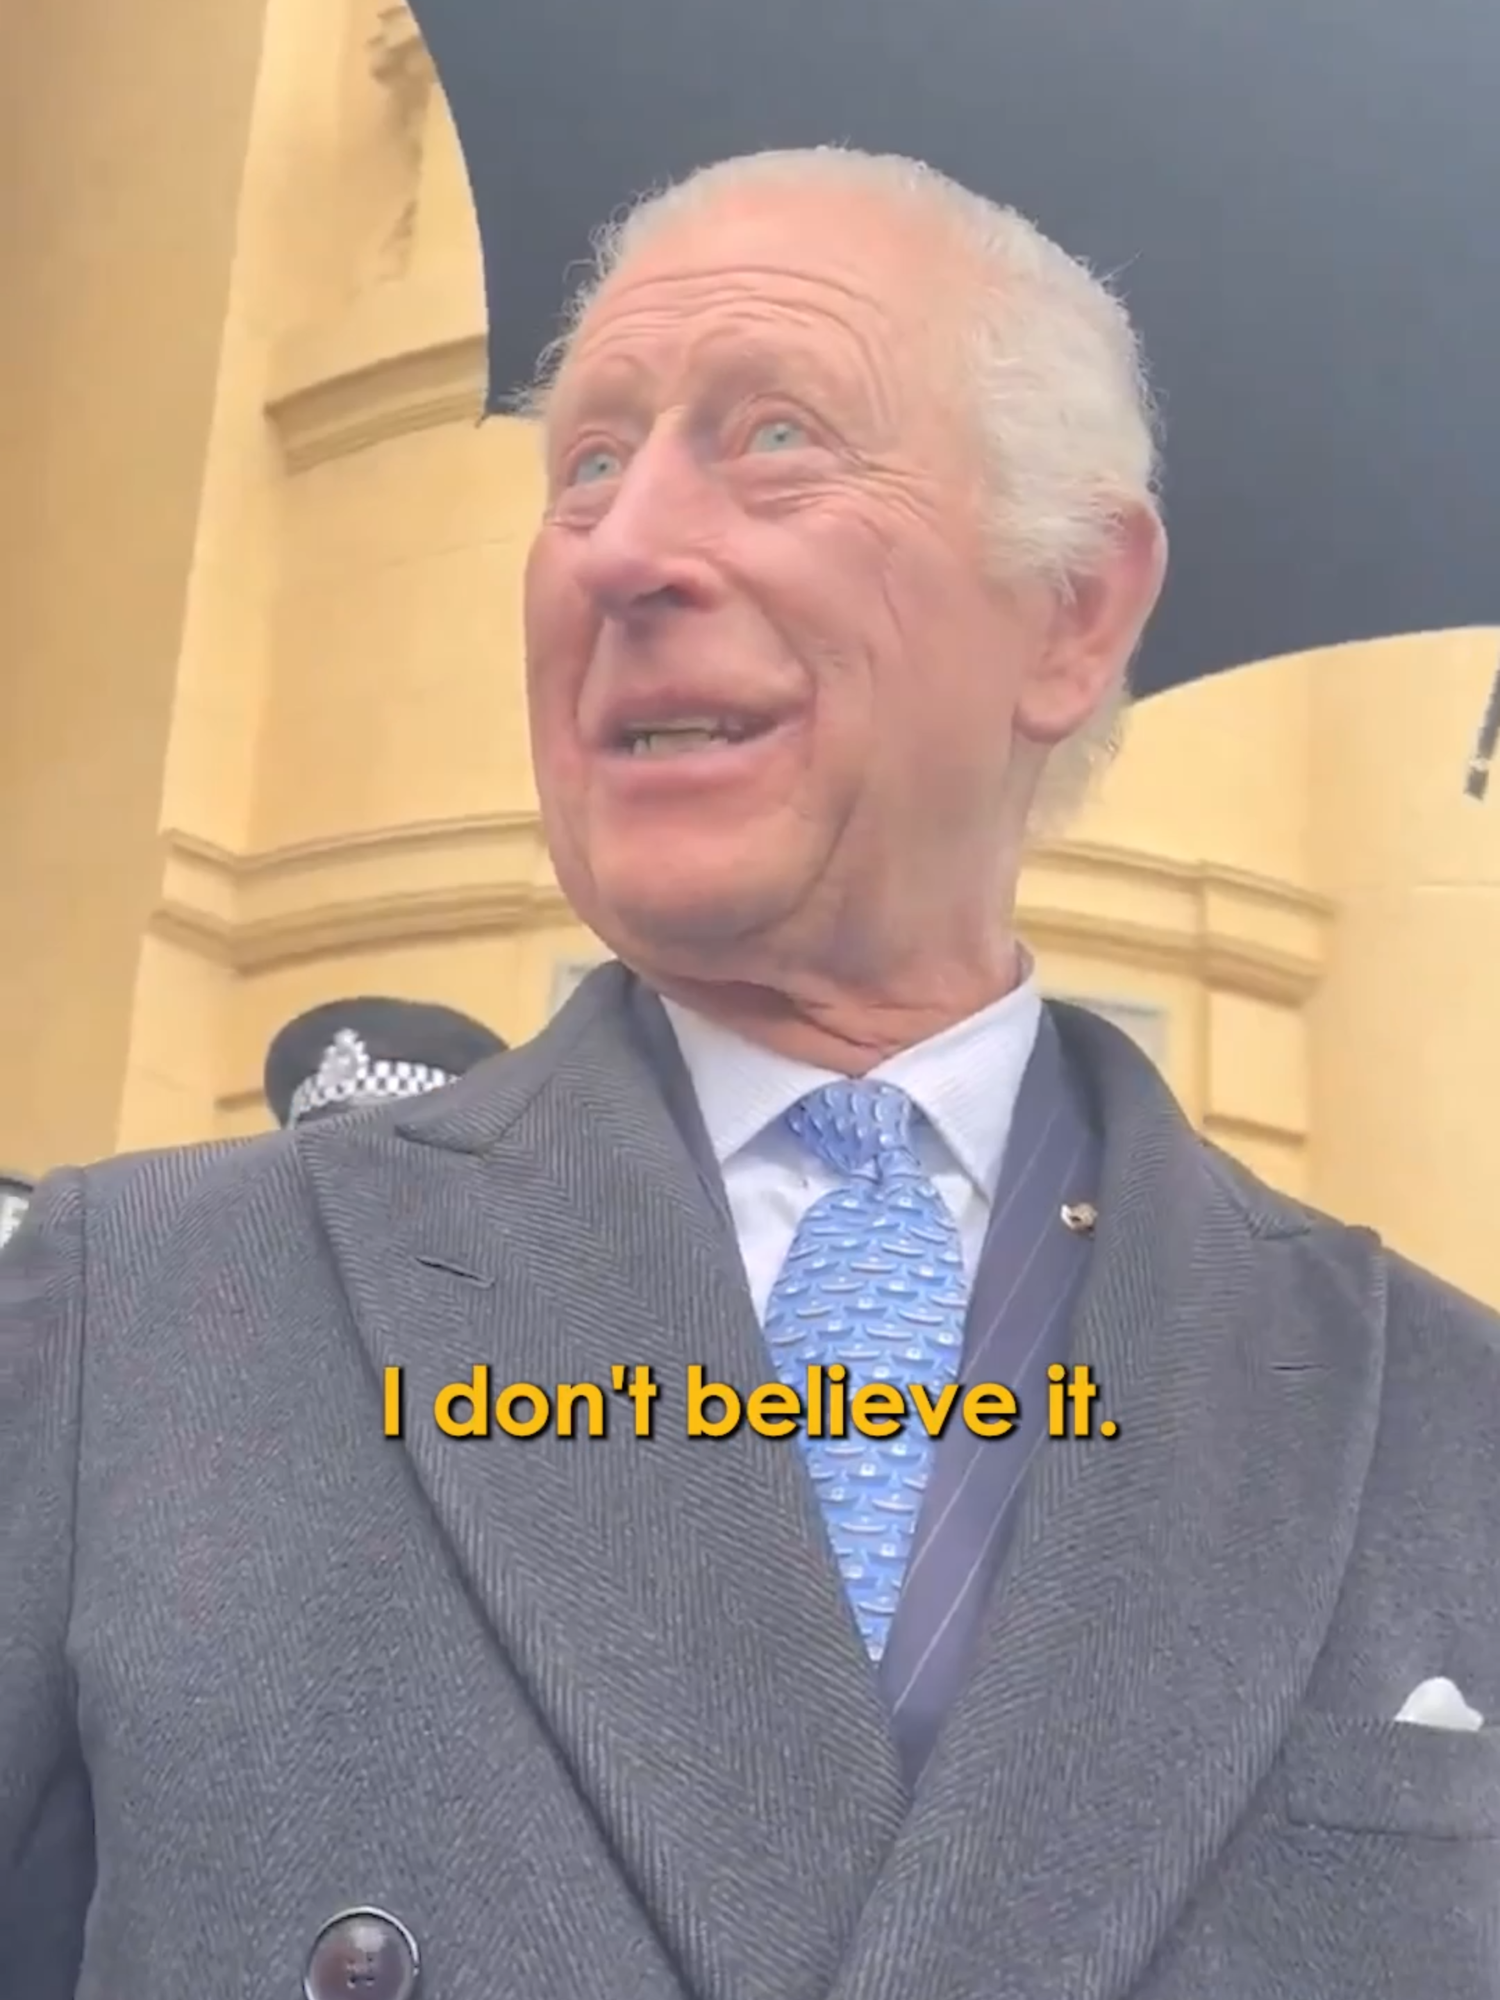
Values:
[(966, 1080)]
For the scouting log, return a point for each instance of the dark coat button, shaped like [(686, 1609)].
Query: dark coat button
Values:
[(362, 1955)]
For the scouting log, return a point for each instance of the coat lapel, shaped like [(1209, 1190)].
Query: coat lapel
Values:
[(1020, 1317), (670, 1603), (1166, 1592)]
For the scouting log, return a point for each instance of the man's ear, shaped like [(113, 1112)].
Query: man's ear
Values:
[(1094, 631)]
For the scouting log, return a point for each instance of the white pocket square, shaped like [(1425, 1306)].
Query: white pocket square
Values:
[(1437, 1704)]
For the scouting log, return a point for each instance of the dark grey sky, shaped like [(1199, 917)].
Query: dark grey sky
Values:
[(1302, 198)]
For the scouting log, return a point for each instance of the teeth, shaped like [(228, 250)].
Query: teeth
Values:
[(689, 734), (658, 742)]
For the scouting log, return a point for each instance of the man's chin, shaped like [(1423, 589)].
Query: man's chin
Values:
[(690, 929), (671, 924)]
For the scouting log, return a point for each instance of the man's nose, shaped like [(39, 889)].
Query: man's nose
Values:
[(648, 551)]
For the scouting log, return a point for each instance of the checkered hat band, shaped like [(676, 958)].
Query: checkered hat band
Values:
[(367, 1082)]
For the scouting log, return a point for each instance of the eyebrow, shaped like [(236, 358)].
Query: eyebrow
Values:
[(753, 363), (746, 363), (618, 382)]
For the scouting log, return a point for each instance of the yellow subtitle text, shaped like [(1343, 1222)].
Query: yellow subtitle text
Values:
[(827, 1406)]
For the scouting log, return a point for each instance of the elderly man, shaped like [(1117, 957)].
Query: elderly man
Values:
[(1183, 1691)]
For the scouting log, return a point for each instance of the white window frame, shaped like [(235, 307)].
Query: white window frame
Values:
[(568, 974), (1146, 1024)]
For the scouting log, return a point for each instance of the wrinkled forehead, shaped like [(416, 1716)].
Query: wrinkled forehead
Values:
[(871, 236), (827, 278)]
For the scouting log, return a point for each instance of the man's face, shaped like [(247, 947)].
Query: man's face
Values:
[(774, 694)]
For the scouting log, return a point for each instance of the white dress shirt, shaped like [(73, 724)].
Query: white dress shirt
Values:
[(964, 1081)]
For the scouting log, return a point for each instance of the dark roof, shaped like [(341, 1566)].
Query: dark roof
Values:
[(1298, 198)]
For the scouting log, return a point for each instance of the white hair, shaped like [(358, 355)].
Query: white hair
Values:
[(1064, 410)]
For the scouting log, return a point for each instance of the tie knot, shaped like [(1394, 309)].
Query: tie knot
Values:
[(858, 1128)]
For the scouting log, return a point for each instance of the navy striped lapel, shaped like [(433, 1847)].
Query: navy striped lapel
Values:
[(1028, 1278)]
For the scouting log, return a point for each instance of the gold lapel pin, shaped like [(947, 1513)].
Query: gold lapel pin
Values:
[(1080, 1217)]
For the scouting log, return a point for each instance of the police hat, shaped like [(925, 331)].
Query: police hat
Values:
[(367, 1051)]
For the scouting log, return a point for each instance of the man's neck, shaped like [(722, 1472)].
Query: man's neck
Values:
[(846, 1033)]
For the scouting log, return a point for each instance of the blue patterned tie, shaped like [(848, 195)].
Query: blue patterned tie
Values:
[(874, 1279)]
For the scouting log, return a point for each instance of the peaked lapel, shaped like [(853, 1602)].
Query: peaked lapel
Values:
[(669, 1603), (1166, 1592)]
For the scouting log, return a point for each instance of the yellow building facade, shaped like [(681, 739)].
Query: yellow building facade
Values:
[(262, 739)]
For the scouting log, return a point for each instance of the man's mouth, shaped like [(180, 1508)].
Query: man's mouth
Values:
[(688, 733)]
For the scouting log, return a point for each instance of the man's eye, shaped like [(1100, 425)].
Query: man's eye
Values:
[(778, 434), (594, 466)]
